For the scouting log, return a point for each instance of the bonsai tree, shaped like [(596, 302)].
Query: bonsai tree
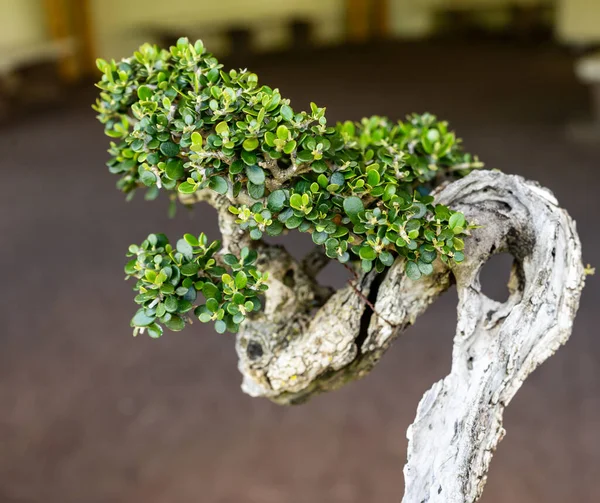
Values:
[(399, 203)]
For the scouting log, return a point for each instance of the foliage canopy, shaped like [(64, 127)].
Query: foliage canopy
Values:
[(181, 123)]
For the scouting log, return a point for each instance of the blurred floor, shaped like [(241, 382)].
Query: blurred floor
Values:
[(90, 415)]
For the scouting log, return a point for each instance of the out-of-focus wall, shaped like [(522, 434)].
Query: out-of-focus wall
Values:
[(416, 18), (22, 22), (578, 21), (120, 27)]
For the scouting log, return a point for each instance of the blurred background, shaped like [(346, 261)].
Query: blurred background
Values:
[(90, 415)]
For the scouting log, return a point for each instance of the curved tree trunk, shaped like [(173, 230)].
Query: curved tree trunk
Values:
[(309, 340)]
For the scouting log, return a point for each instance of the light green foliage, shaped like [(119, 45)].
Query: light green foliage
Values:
[(181, 123), (169, 280)]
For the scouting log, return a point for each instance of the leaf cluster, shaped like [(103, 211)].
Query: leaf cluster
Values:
[(180, 123), (170, 280)]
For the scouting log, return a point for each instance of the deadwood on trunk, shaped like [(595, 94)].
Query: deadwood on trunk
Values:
[(309, 339)]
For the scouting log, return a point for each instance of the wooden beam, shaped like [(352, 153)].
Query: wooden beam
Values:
[(59, 28)]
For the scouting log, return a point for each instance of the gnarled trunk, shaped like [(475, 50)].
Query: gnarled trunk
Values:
[(309, 339)]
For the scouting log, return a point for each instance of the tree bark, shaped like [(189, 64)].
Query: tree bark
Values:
[(308, 340)]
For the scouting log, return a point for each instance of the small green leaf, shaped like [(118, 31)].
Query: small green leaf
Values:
[(255, 174), (191, 239), (275, 228), (373, 178), (276, 200), (174, 169), (176, 323), (144, 93), (241, 280), (189, 269), (169, 148), (296, 201), (367, 253), (187, 188), (248, 157), (353, 206), (155, 331), (148, 178), (250, 144), (220, 326), (184, 248), (286, 112), (141, 319), (218, 184), (222, 128), (171, 304), (456, 220), (255, 191), (413, 271), (289, 147), (283, 132), (386, 258)]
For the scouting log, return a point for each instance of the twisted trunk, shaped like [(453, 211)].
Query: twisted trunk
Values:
[(308, 340)]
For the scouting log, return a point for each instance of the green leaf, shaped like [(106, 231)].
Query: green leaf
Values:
[(296, 201), (319, 237), (191, 239), (241, 280), (174, 169), (353, 206), (289, 147), (413, 271), (176, 323), (189, 269), (220, 326), (276, 200), (155, 331), (283, 132), (275, 228), (250, 144), (169, 148), (218, 184), (212, 305), (456, 220), (304, 156), (144, 93), (248, 157), (222, 128), (319, 166), (293, 222), (148, 178), (255, 191), (187, 188), (184, 248), (367, 253), (286, 112), (255, 174), (373, 177), (171, 304), (366, 265), (141, 319), (386, 258), (211, 291), (425, 268)]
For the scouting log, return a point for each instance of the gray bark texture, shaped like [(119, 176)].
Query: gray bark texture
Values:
[(309, 339)]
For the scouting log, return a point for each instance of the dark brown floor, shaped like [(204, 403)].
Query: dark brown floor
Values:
[(90, 415)]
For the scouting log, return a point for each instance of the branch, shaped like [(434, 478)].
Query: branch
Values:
[(300, 346)]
